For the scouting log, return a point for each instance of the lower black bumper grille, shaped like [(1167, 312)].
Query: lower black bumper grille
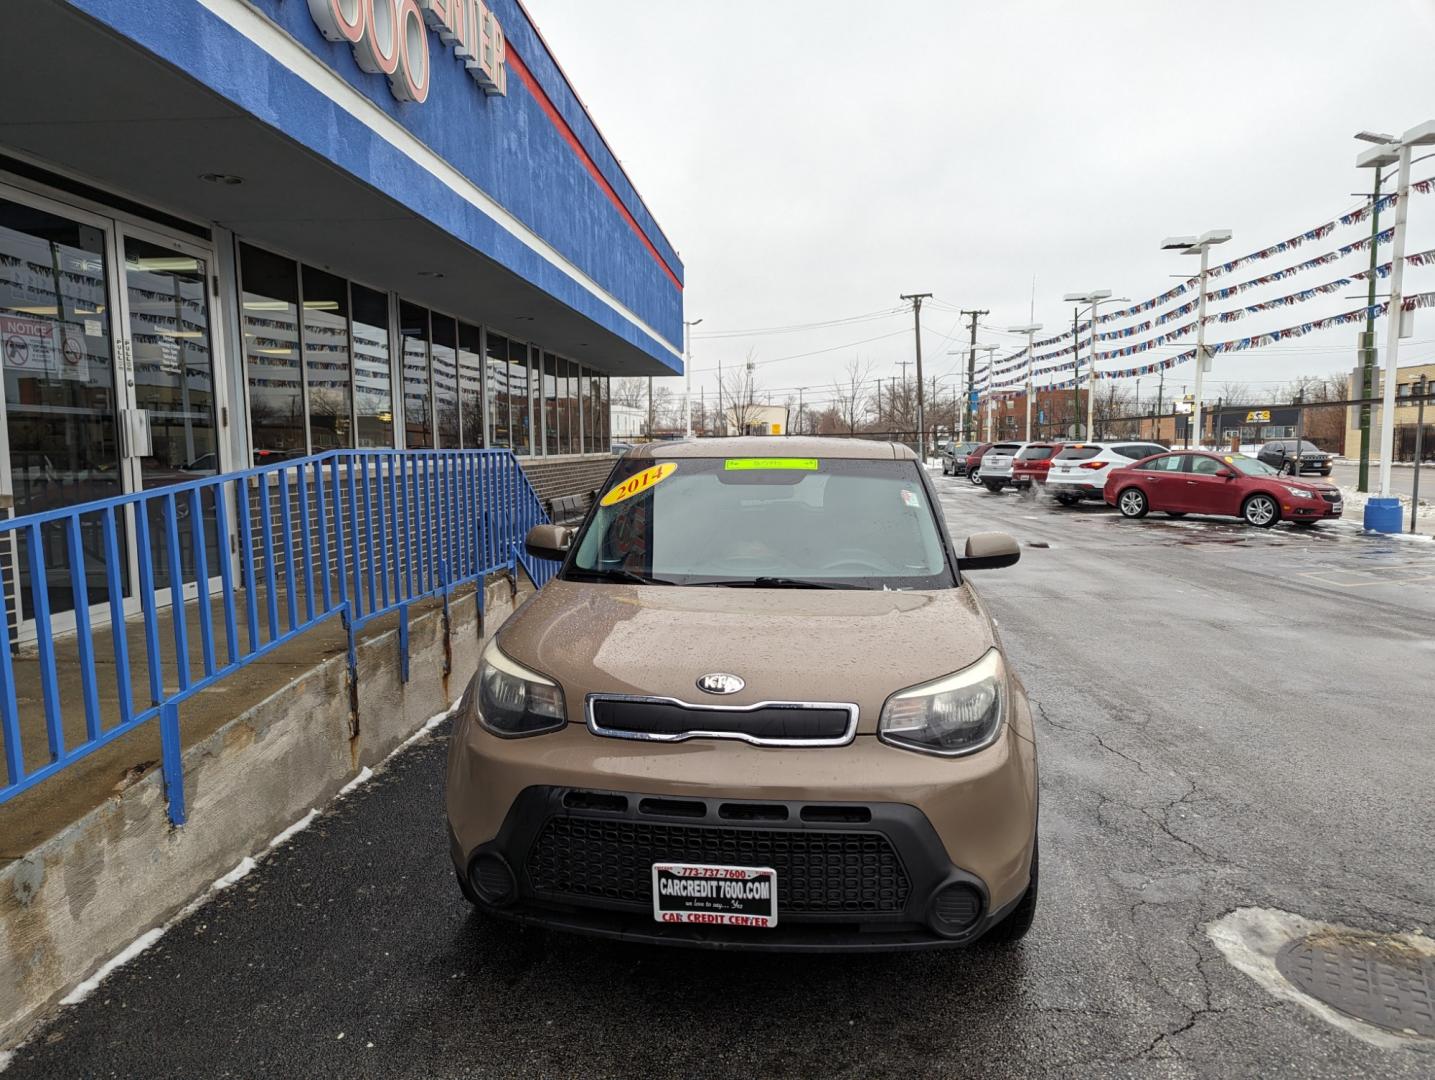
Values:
[(818, 872)]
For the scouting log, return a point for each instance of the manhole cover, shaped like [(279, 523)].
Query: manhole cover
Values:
[(1379, 980)]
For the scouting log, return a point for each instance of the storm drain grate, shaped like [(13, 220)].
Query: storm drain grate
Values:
[(1379, 980)]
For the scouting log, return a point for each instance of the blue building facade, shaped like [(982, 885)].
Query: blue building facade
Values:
[(238, 229)]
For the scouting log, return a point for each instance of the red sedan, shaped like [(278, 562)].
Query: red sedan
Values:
[(1033, 463), (1232, 485)]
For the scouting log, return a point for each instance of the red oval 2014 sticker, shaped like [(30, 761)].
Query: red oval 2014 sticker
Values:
[(639, 483)]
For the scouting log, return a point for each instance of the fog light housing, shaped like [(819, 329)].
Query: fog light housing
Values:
[(955, 909), (492, 879)]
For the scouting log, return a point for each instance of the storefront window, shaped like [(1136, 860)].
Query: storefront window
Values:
[(470, 384), (585, 404), (500, 434), (418, 399), (521, 379), (373, 382), (445, 381), (271, 352), (327, 367), (550, 404)]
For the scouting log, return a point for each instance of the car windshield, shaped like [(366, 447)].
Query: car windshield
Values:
[(1078, 453), (1249, 465), (1036, 453), (765, 522)]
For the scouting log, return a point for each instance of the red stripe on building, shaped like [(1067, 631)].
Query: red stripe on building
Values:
[(556, 118)]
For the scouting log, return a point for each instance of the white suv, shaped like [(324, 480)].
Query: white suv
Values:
[(1080, 471), (995, 468)]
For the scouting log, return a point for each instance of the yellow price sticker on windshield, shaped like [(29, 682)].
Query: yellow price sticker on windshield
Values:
[(639, 483), (806, 464)]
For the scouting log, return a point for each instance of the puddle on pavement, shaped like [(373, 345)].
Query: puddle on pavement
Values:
[(1379, 988)]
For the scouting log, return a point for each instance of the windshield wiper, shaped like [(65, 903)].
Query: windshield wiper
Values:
[(621, 575), (777, 583)]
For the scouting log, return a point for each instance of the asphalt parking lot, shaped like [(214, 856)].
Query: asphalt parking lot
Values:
[(1229, 717)]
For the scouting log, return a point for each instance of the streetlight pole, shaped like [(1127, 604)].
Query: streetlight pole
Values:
[(1030, 331), (1093, 298), (917, 299), (1198, 245), (688, 375), (1381, 513)]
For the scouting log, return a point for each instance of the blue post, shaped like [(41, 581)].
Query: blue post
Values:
[(176, 590), (266, 522), (306, 549), (84, 640), (9, 705), (246, 564), (226, 572), (144, 550), (403, 643), (172, 761), (286, 522), (45, 643), (114, 582), (201, 579)]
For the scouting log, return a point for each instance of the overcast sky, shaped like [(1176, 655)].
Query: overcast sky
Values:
[(813, 160)]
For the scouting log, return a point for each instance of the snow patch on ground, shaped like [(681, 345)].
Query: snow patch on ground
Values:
[(302, 824), (133, 949), (358, 781), (240, 871)]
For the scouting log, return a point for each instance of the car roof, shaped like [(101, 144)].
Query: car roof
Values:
[(774, 446)]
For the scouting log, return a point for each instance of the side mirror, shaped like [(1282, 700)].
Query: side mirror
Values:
[(548, 542), (1225, 474), (989, 551)]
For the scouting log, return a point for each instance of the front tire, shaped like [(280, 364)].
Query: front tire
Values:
[(1133, 503), (1261, 511), (975, 477), (1018, 921)]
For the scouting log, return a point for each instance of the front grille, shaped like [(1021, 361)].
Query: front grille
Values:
[(779, 722), (1330, 496), (818, 872)]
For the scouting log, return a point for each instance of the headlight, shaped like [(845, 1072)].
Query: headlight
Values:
[(515, 701), (958, 714), (1300, 493)]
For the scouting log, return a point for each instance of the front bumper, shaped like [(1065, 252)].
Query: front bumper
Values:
[(558, 808), (851, 877)]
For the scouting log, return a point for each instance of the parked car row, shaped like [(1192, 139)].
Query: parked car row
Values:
[(1137, 477)]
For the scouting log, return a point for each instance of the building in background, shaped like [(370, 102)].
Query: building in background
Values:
[(1406, 412), (235, 230)]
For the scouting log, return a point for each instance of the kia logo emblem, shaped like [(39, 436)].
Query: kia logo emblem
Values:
[(720, 682)]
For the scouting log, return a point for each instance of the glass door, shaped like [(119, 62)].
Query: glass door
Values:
[(62, 401), (171, 380)]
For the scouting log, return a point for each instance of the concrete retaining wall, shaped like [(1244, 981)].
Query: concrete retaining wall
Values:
[(84, 895)]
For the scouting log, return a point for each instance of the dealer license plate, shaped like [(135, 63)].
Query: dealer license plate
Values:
[(715, 895)]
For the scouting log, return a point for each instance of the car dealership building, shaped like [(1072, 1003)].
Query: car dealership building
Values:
[(233, 231)]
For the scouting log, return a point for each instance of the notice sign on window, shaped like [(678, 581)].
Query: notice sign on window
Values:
[(44, 348)]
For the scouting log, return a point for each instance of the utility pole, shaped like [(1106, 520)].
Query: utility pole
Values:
[(722, 430), (971, 410), (650, 407), (917, 299), (1367, 363), (687, 375), (703, 408), (1076, 375), (800, 391), (879, 403), (1160, 391)]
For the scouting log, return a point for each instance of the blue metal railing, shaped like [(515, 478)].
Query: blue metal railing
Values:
[(352, 533)]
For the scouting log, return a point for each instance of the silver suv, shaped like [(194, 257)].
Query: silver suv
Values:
[(1080, 471), (995, 469)]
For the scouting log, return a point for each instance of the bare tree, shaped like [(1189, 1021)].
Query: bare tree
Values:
[(630, 392), (1234, 393), (740, 390), (849, 393)]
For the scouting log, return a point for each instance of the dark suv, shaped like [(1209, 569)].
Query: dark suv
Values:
[(1280, 454)]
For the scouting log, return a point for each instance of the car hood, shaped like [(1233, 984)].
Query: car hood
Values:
[(835, 645)]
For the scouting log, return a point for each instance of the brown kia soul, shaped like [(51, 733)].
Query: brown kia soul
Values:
[(759, 707)]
